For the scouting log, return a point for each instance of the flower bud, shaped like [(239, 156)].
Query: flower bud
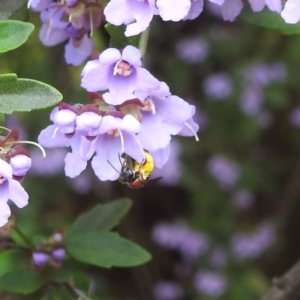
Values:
[(58, 254), (20, 164), (40, 258)]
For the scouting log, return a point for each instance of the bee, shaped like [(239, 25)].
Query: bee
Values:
[(136, 174)]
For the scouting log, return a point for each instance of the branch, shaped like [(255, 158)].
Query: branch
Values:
[(286, 287)]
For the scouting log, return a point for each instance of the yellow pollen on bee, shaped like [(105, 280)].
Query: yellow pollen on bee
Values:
[(123, 68)]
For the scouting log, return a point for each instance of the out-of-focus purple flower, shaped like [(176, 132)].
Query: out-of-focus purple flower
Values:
[(294, 116), (39, 5), (81, 184), (58, 254), (167, 290), (251, 100), (242, 199), (119, 72), (193, 50), (40, 258), (10, 189), (291, 12), (261, 74), (50, 165), (251, 245), (218, 257), (210, 284), (224, 170), (218, 86), (179, 237)]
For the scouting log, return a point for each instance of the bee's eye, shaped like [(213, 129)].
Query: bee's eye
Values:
[(126, 175)]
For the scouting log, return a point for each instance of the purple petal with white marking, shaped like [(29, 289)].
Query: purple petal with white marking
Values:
[(130, 124), (110, 56), (132, 55), (5, 169), (132, 146)]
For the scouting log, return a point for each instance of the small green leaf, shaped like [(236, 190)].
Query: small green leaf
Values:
[(23, 281), (8, 8), (269, 19), (118, 39), (105, 249), (102, 217), (13, 34), (18, 94)]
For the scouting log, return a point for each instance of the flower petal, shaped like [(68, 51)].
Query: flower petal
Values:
[(17, 193), (231, 9), (173, 10), (4, 213), (50, 36), (291, 11), (74, 165), (51, 139)]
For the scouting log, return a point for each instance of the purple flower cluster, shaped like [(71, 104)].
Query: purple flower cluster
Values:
[(136, 113), (224, 170), (70, 21), (179, 237), (251, 245), (15, 162), (167, 290), (50, 250), (210, 283)]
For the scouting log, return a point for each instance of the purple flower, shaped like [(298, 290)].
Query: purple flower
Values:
[(167, 290), (251, 245), (230, 9), (178, 236), (294, 116), (166, 114), (40, 258), (251, 100), (210, 283), (218, 86), (224, 170), (193, 50), (118, 12), (20, 164), (10, 189), (173, 10), (291, 11), (58, 254), (50, 165), (70, 21), (120, 73)]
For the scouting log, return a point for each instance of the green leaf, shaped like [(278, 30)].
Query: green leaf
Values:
[(105, 249), (81, 281), (23, 281), (66, 271), (118, 39), (13, 34), (8, 8), (19, 94), (269, 19), (10, 260), (102, 217)]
